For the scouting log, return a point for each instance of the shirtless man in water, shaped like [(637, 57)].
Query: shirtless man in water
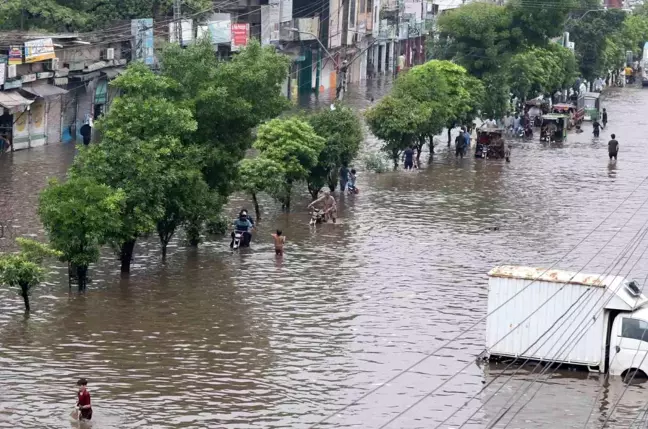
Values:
[(330, 206)]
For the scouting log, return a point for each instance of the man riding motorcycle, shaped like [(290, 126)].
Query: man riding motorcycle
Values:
[(330, 206), (243, 224)]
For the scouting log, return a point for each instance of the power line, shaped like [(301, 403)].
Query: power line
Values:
[(456, 337), (519, 324)]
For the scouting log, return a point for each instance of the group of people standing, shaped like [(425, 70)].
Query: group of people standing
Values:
[(462, 142)]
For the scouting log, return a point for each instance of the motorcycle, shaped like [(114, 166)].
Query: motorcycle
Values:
[(238, 237), (352, 190), (317, 217)]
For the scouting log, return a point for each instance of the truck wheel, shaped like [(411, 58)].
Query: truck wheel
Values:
[(631, 374)]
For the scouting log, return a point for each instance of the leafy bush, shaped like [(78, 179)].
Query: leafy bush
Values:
[(218, 225), (376, 163)]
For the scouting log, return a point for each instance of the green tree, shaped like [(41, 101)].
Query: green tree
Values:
[(342, 131), (261, 174), (541, 71), (634, 33), (498, 100), (396, 121), (479, 36), (79, 217), (294, 145), (228, 100), (23, 270), (537, 22), (592, 35), (138, 152), (85, 15)]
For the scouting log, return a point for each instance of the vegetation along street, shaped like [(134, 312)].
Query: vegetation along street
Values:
[(284, 213)]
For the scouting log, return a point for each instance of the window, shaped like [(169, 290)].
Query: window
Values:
[(635, 329)]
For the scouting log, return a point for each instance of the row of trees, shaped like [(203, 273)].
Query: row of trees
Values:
[(511, 47), (422, 102), (173, 149), (84, 15)]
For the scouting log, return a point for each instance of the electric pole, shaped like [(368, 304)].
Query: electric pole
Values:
[(177, 18)]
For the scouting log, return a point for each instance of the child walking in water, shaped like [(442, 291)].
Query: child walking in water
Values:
[(279, 241), (83, 400)]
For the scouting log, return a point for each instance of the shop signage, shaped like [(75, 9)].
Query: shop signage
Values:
[(3, 68), (12, 84), (44, 75), (62, 73), (240, 34), (60, 81), (39, 50), (28, 78), (96, 66), (142, 30), (15, 55)]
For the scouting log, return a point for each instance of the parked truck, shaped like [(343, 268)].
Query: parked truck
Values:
[(594, 321)]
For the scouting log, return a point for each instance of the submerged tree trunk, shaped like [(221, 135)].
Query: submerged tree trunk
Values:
[(165, 230), (126, 255), (431, 142), (332, 181), (449, 136), (257, 209), (313, 191), (287, 200), (193, 233), (82, 277), (24, 292)]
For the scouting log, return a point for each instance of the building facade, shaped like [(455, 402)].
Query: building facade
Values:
[(51, 84)]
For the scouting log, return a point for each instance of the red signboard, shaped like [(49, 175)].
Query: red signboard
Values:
[(240, 35)]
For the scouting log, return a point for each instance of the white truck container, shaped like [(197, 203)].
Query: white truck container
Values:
[(594, 321)]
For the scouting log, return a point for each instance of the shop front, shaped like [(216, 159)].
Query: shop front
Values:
[(14, 119), (44, 125)]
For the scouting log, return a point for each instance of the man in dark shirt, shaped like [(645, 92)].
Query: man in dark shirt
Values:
[(344, 178), (409, 158), (83, 400), (613, 147), (604, 118)]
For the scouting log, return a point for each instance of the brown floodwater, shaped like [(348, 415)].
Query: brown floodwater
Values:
[(215, 339)]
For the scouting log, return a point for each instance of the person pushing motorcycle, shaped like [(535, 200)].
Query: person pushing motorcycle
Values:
[(330, 206)]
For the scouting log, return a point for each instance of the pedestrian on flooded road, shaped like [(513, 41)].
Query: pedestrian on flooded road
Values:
[(467, 138), (597, 128), (408, 157), (279, 241), (83, 400), (459, 143), (605, 118), (613, 148), (344, 178)]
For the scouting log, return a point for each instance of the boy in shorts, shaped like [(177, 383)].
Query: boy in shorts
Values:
[(279, 241)]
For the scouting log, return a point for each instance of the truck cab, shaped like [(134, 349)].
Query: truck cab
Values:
[(629, 343)]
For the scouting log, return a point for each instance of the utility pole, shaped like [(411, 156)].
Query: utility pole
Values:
[(177, 18), (396, 59)]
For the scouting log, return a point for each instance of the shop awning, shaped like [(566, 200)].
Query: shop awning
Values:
[(43, 89), (113, 73), (12, 100)]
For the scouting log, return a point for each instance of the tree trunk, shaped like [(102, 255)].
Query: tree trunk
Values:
[(193, 233), (164, 250), (314, 192), (82, 277), (288, 192), (126, 255), (257, 209), (431, 141), (332, 182), (449, 136), (24, 292)]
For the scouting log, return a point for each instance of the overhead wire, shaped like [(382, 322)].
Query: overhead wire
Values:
[(480, 320), (556, 359), (524, 353), (483, 403)]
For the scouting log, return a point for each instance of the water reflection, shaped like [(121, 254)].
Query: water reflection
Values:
[(216, 338)]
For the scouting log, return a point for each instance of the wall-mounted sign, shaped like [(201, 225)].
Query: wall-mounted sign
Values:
[(218, 30), (3, 68), (15, 55), (44, 75), (60, 81), (28, 78), (39, 50), (142, 29), (240, 33), (12, 84), (96, 66)]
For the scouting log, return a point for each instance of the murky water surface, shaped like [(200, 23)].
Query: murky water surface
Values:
[(218, 339)]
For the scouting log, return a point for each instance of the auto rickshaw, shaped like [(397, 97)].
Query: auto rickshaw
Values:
[(490, 143), (592, 106), (554, 128)]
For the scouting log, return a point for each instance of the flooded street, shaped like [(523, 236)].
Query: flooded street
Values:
[(216, 339)]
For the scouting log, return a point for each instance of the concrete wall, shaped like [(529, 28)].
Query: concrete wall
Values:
[(53, 113)]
